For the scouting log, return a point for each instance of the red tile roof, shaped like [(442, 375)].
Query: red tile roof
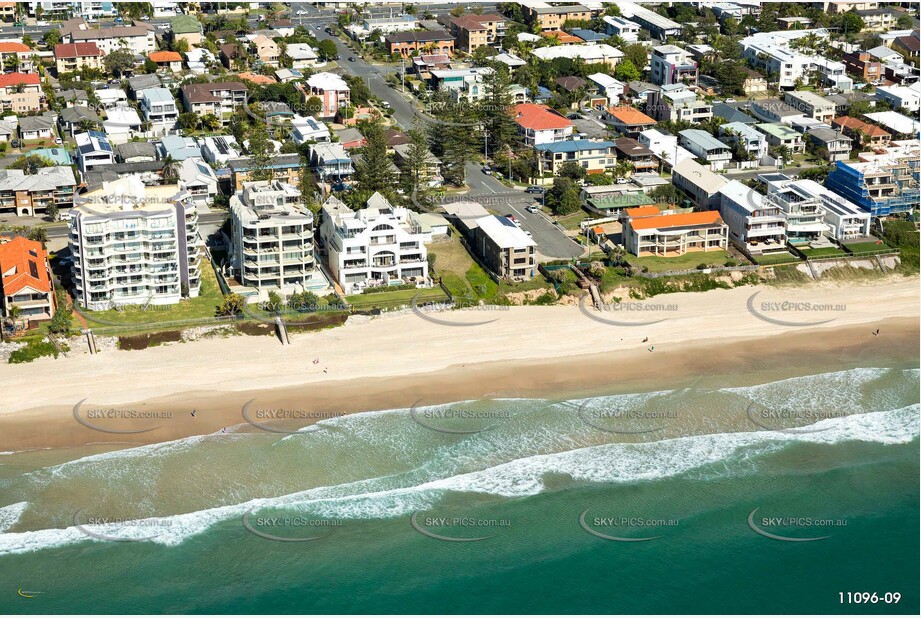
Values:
[(23, 263), (165, 56), (76, 50), (706, 217), (8, 47), (538, 117), (14, 79)]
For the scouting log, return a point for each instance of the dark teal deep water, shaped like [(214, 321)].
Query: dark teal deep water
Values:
[(861, 475)]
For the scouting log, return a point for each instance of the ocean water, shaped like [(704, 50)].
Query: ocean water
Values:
[(776, 497)]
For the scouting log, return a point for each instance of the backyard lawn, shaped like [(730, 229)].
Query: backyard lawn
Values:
[(776, 258), (204, 306), (688, 261), (460, 273), (859, 247), (823, 252), (397, 298)]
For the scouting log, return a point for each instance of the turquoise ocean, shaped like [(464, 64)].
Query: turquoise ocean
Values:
[(680, 501)]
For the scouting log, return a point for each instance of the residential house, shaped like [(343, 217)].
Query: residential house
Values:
[(706, 148), (122, 124), (219, 149), (843, 219), (160, 110), (136, 152), (756, 226), (134, 244), (272, 239), (595, 157), (752, 141), (351, 138), (775, 110), (178, 148), (284, 167), (20, 92), (198, 179), (25, 281), (302, 55), (699, 183), (308, 129), (624, 28), (267, 50), (37, 127), (376, 246), (332, 91), (608, 87), (229, 54), (862, 133), (186, 28), (811, 104), (835, 144), (93, 151), (666, 235), (31, 195), (908, 97), (862, 65), (676, 102), (330, 160), (612, 200), (642, 159), (504, 248), (665, 146), (285, 76), (139, 83), (804, 213), (218, 98), (672, 65), (463, 84), (166, 61), (408, 44), (431, 169), (78, 118), (658, 26), (474, 31), (627, 120), (755, 83), (539, 124), (778, 135), (199, 60), (877, 20)]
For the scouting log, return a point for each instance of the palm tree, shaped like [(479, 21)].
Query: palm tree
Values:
[(171, 167)]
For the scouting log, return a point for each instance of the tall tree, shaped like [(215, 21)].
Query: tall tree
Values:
[(374, 172), (260, 151), (416, 173), (495, 107)]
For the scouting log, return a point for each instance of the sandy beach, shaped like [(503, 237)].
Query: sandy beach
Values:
[(397, 360)]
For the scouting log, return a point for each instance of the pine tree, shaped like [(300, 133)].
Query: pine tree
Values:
[(416, 173), (373, 173), (495, 108), (260, 151)]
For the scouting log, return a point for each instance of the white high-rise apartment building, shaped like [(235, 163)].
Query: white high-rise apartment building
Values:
[(135, 245)]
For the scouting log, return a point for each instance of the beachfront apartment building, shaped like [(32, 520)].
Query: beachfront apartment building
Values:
[(803, 213), (377, 245), (134, 245), (648, 232), (882, 183), (272, 239), (811, 105), (25, 281), (705, 147), (31, 195), (539, 124), (332, 91), (699, 183), (219, 98), (20, 92), (505, 249), (672, 65), (843, 219), (159, 109), (595, 157), (755, 226)]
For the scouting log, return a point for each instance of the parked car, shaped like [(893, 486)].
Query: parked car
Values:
[(532, 209), (351, 58), (534, 189)]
